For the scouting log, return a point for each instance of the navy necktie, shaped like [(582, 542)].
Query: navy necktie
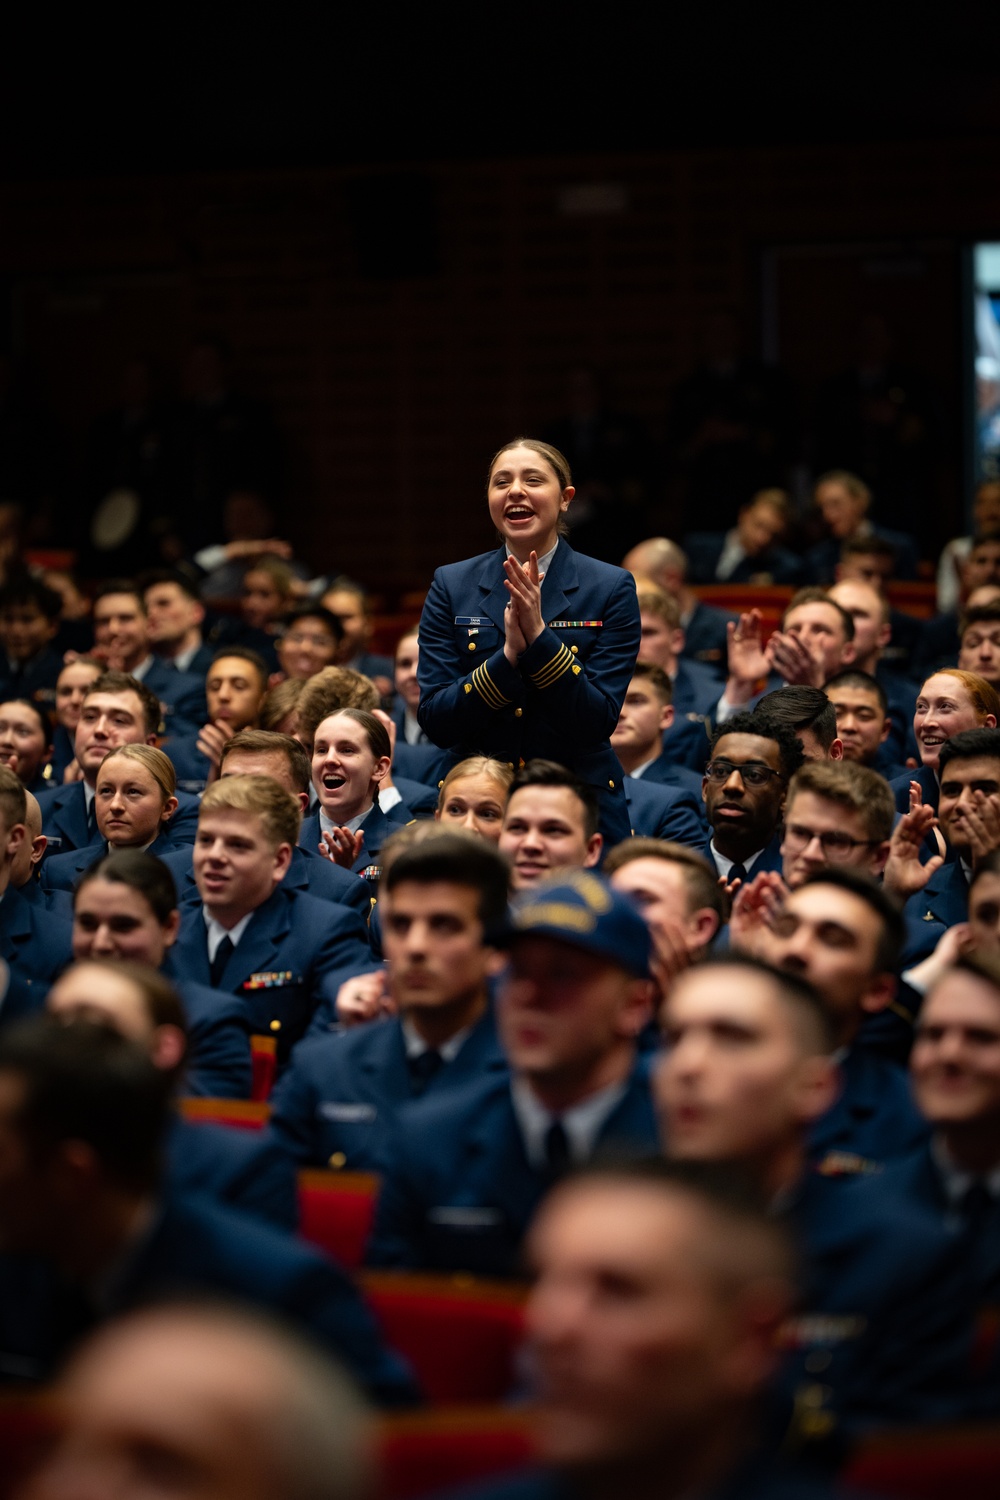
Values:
[(976, 1206), (217, 967), (92, 819), (422, 1070), (737, 872), (557, 1157)]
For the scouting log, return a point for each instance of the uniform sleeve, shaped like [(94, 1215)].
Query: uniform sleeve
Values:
[(458, 706), (218, 1063), (586, 698)]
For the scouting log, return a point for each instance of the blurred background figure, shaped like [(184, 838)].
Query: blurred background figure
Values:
[(231, 1407), (751, 552)]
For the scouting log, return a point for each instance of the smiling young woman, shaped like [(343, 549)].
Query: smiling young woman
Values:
[(528, 651)]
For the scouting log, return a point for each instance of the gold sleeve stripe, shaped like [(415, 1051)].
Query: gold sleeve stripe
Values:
[(487, 689), (554, 669)]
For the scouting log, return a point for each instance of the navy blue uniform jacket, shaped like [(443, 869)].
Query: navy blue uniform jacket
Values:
[(60, 872), (562, 700), (36, 944), (198, 1249), (237, 1168), (927, 915), (181, 695), (64, 819), (378, 827), (218, 1062), (706, 639), (343, 1093), (881, 1333), (657, 811), (460, 1192), (873, 1120), (290, 945)]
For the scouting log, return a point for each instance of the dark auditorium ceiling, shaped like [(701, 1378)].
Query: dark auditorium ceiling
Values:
[(306, 86)]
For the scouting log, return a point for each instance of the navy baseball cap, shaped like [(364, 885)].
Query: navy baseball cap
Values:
[(581, 909)]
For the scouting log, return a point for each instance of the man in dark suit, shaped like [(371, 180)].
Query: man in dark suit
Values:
[(469, 1169), (87, 1231), (883, 1312), (339, 1100), (117, 710), (746, 779), (120, 633), (250, 935)]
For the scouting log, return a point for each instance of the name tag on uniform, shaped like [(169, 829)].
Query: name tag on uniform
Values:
[(575, 624), (347, 1113), (809, 1329), (465, 1218), (274, 979), (472, 620), (846, 1164)]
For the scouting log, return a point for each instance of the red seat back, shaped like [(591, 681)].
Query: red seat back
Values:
[(263, 1061), (434, 1451), (28, 1424), (928, 1465), (248, 1114), (336, 1211), (460, 1335)]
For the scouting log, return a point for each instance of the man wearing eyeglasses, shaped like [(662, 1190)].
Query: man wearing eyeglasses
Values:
[(837, 813), (752, 761)]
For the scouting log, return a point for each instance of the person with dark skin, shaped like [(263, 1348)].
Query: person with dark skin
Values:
[(744, 787)]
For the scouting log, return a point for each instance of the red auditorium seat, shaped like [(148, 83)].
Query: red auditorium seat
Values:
[(434, 1451), (27, 1426), (336, 1211), (736, 597), (927, 1465), (264, 1061), (248, 1114), (460, 1335)]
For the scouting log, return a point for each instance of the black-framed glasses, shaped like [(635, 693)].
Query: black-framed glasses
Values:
[(751, 772), (836, 846)]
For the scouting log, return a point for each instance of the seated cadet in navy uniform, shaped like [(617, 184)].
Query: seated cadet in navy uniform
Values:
[(71, 685), (980, 641), (752, 762), (863, 723), (27, 862), (236, 1167), (751, 551), (174, 617), (679, 895), (955, 1068), (119, 616), (473, 796), (259, 752), (469, 1169), (811, 717), (841, 932), (880, 1336), (336, 688), (34, 943), (116, 710), (134, 803), (620, 1406), (89, 1110), (413, 755), (695, 688), (310, 640), (29, 619), (338, 1102), (272, 947), (348, 603), (351, 756), (125, 909), (549, 824), (526, 652), (645, 720), (235, 688), (869, 609), (949, 703), (26, 743), (662, 562), (843, 500), (936, 890)]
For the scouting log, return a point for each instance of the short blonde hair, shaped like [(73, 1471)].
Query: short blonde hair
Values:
[(328, 692), (260, 797), (498, 771), (158, 764), (656, 601), (857, 788)]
